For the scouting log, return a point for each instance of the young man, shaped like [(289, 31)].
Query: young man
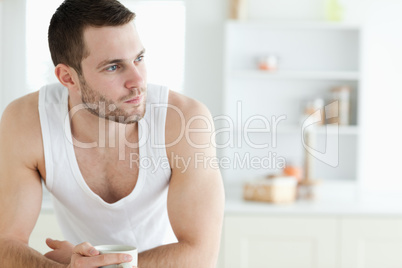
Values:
[(126, 161)]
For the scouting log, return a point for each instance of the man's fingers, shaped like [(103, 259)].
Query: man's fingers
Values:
[(85, 255), (49, 254), (111, 258), (85, 249), (102, 260), (53, 244)]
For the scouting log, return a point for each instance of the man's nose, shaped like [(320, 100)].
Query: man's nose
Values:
[(134, 77)]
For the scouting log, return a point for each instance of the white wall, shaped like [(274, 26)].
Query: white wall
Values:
[(204, 44), (12, 63), (381, 109)]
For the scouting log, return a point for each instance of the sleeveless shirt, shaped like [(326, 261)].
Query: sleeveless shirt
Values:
[(139, 219)]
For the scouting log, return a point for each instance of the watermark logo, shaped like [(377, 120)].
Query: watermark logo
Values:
[(330, 155), (237, 133)]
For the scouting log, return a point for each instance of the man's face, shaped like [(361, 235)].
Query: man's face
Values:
[(113, 80)]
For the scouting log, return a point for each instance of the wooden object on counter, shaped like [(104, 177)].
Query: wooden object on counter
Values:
[(307, 189), (278, 190), (307, 186), (308, 158), (238, 9)]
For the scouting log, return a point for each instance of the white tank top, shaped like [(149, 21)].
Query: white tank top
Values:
[(139, 219)]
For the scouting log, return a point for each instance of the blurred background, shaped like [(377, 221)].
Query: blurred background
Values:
[(305, 99)]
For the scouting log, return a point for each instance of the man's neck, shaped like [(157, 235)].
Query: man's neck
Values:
[(87, 128)]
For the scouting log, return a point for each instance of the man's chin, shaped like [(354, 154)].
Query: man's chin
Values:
[(127, 119), (132, 119)]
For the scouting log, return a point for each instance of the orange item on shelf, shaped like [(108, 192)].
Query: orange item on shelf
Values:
[(293, 171), (268, 63)]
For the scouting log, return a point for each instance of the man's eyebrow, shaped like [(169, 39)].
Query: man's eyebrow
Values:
[(106, 62)]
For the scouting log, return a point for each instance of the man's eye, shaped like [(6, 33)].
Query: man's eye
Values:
[(140, 58), (112, 68)]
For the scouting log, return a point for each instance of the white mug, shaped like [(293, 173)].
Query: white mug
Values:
[(105, 249)]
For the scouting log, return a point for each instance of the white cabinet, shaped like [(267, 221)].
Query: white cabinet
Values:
[(314, 57), (287, 242), (371, 243), (307, 241)]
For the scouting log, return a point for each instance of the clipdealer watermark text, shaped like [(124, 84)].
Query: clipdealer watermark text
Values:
[(270, 160), (255, 132)]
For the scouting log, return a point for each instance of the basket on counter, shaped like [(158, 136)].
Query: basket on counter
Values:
[(277, 190)]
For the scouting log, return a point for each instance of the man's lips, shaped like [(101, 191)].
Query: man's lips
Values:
[(135, 100)]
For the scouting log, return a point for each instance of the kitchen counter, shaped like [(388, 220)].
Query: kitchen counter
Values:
[(342, 228), (333, 199)]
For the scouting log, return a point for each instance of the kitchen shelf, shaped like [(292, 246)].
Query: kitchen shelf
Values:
[(296, 25), (310, 75), (314, 57), (323, 129), (342, 130)]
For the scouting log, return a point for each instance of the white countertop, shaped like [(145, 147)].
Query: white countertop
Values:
[(333, 199)]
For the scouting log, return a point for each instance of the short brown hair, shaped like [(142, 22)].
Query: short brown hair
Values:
[(66, 29)]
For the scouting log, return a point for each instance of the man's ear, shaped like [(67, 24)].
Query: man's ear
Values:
[(67, 76)]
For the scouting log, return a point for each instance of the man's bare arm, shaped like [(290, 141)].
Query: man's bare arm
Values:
[(196, 196), (20, 185), (15, 253)]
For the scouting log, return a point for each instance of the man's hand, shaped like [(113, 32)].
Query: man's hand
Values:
[(85, 255), (62, 251)]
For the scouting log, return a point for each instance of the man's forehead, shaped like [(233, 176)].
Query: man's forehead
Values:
[(112, 41), (91, 32)]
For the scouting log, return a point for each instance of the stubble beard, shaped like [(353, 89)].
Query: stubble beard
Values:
[(98, 105)]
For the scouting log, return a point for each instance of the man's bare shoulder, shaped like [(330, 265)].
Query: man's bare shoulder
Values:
[(22, 113), (20, 127), (188, 122), (187, 106)]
